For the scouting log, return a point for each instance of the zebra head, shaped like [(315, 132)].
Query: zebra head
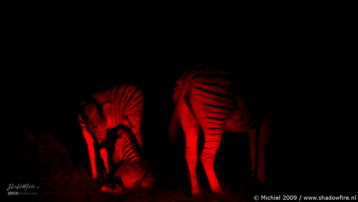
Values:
[(96, 123)]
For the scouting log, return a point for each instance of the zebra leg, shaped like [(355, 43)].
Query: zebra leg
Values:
[(91, 152), (252, 134), (191, 156), (207, 157), (104, 155), (191, 132), (263, 137)]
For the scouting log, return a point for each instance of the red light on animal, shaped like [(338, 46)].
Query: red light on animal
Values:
[(117, 108), (204, 99)]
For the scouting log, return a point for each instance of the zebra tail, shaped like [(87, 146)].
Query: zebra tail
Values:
[(174, 123)]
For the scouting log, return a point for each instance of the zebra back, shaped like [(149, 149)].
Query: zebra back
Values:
[(210, 94), (120, 102), (110, 108)]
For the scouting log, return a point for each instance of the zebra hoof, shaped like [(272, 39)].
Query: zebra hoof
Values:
[(106, 189), (94, 174), (196, 194), (218, 191), (116, 190)]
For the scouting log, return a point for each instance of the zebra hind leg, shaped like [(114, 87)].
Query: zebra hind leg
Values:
[(191, 140), (263, 138), (211, 145), (252, 135)]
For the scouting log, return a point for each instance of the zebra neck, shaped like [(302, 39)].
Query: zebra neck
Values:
[(129, 149)]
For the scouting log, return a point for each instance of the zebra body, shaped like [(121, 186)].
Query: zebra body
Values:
[(120, 105), (204, 98)]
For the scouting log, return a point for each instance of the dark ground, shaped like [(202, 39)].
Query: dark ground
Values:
[(309, 151)]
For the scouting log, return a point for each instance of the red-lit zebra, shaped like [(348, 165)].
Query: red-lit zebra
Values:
[(120, 105), (129, 164), (204, 98)]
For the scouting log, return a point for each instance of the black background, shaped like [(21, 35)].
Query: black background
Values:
[(299, 82)]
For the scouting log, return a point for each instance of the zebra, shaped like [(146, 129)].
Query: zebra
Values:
[(104, 110), (204, 97), (129, 165)]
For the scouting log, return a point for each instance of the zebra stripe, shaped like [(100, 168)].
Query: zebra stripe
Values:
[(118, 105), (126, 148), (128, 164), (204, 97)]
